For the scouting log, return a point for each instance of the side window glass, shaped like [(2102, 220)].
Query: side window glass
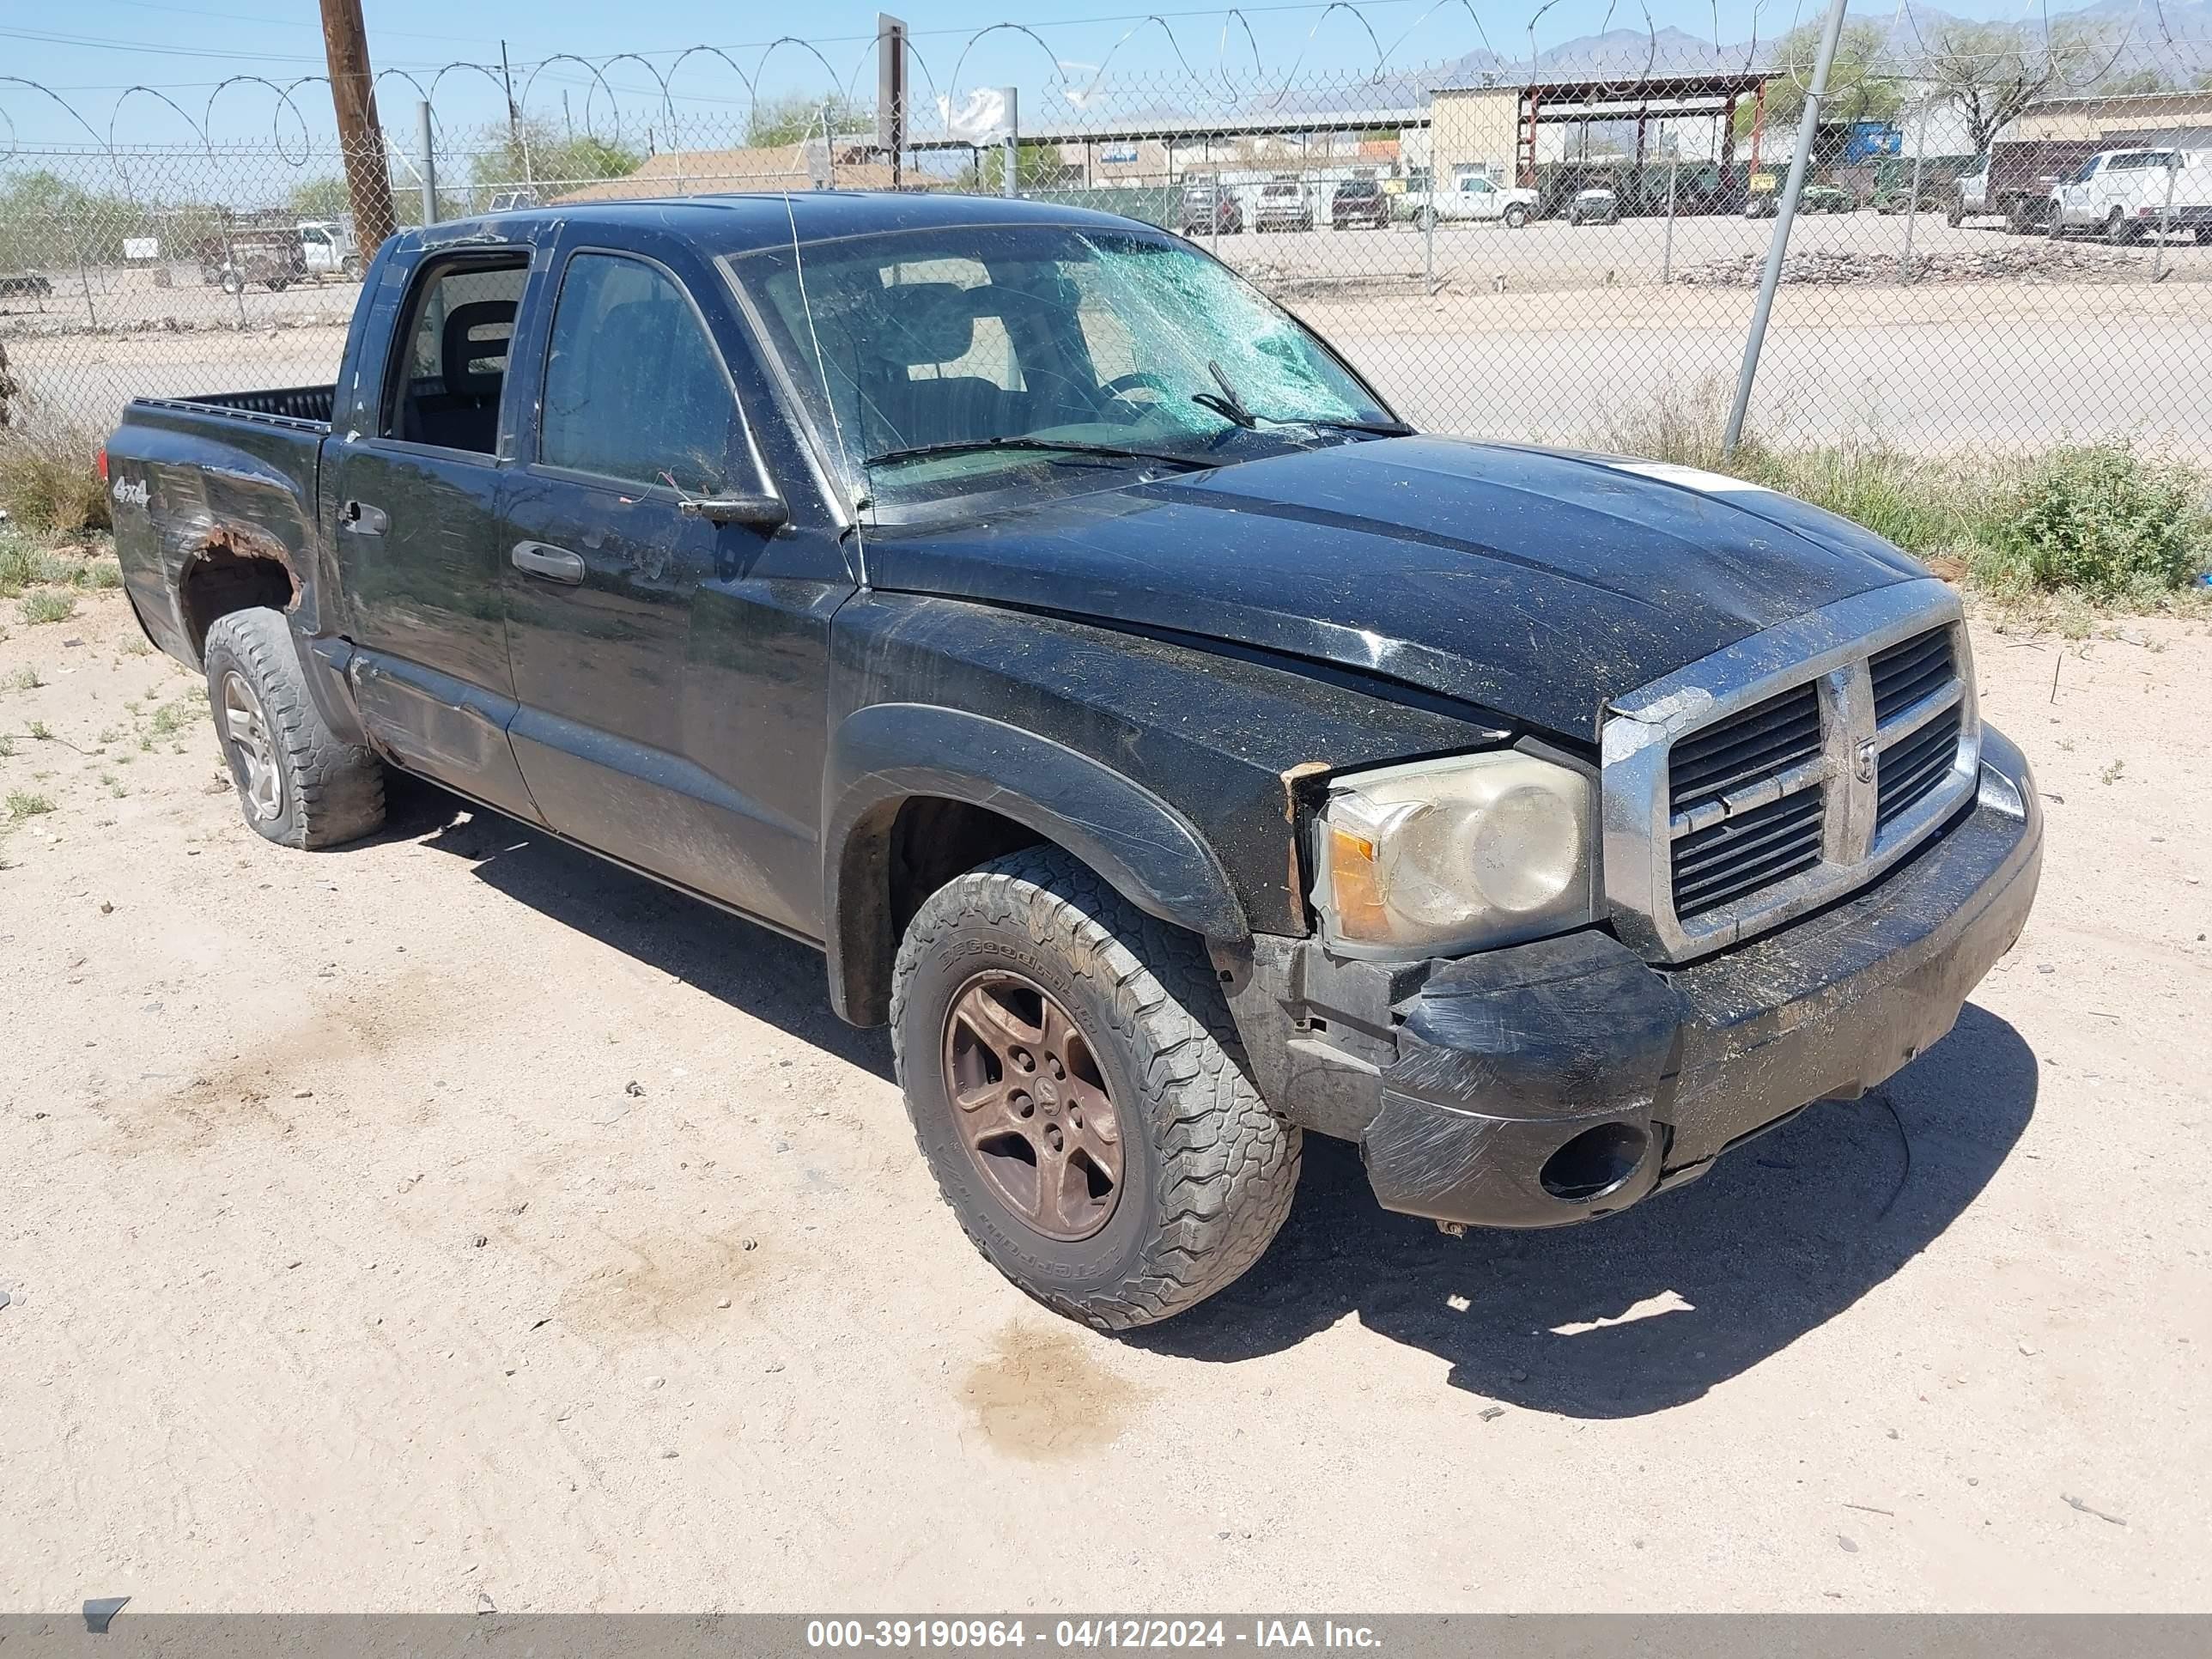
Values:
[(445, 388), (635, 389)]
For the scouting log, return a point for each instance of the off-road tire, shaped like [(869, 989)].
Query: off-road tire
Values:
[(1208, 1170), (331, 792)]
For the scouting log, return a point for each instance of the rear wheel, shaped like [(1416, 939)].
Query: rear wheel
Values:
[(1080, 1093), (1515, 217), (298, 785), (2117, 228), (1955, 216)]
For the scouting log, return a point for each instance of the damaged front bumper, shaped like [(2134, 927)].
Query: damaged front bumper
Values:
[(1561, 1080)]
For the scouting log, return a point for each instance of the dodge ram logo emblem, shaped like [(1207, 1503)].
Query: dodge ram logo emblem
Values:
[(1862, 760)]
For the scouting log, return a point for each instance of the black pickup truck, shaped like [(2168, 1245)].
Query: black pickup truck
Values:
[(1178, 752)]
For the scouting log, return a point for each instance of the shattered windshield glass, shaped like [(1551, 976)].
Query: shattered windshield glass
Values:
[(934, 361)]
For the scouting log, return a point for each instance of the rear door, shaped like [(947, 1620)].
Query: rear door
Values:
[(413, 489), (671, 671)]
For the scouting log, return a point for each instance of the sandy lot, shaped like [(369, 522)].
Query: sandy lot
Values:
[(452, 1216)]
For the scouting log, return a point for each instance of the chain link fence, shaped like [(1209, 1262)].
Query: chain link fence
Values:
[(2005, 242)]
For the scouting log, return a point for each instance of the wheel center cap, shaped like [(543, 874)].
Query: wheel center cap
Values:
[(1047, 1096)]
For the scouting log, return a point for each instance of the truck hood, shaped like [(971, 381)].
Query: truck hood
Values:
[(1536, 584)]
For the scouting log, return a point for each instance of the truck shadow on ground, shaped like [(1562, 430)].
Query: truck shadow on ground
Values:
[(775, 979), (1634, 1313), (1651, 1308)]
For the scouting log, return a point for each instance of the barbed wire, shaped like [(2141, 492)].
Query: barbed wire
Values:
[(2053, 43)]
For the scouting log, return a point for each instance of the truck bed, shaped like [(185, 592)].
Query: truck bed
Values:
[(310, 404)]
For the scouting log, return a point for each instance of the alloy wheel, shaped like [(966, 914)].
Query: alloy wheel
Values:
[(247, 729), (1032, 1106)]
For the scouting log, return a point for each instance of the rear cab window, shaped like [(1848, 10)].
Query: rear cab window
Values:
[(447, 378)]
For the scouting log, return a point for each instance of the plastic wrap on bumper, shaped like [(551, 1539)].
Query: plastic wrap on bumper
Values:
[(1559, 1081)]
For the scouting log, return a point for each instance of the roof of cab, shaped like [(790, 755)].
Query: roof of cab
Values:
[(741, 224)]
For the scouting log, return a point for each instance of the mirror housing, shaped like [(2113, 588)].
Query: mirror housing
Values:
[(760, 512)]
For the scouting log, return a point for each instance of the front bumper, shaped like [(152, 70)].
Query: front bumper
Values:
[(1559, 1081)]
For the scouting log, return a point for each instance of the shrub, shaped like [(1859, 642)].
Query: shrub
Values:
[(49, 479), (45, 605), (2103, 520), (23, 806)]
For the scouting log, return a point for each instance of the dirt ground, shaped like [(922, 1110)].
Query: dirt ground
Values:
[(451, 1216)]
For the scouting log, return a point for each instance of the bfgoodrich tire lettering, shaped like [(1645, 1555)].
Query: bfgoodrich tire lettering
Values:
[(1208, 1171), (328, 792)]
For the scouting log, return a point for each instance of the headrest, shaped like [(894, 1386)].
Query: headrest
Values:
[(473, 352), (929, 323)]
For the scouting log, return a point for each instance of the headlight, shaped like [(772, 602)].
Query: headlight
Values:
[(1440, 856)]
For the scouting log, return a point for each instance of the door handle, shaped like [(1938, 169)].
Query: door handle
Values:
[(554, 564), (362, 520)]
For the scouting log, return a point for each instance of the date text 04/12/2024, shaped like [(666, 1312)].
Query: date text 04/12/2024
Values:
[(1079, 1634)]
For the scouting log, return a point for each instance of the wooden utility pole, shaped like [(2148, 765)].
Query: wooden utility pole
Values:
[(352, 95)]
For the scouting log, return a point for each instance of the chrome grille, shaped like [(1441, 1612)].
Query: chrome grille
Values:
[(1912, 767), (1787, 769), (1714, 865), (1906, 673), (1745, 748)]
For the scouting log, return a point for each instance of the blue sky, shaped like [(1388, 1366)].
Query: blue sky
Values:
[(93, 52)]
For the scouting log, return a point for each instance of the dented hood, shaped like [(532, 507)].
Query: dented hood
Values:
[(1535, 583)]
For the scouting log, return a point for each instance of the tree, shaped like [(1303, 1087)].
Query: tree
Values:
[(1992, 72), (797, 115), (2144, 80), (542, 155), (322, 198), (1862, 85)]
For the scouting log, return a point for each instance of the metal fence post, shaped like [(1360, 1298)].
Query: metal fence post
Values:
[(1913, 207), (1429, 240), (1808, 125), (2165, 216), (1666, 257), (429, 162), (1012, 181)]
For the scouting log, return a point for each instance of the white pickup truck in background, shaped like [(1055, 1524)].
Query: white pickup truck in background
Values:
[(2127, 194), (1473, 197)]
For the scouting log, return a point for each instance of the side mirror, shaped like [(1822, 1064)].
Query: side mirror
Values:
[(757, 511)]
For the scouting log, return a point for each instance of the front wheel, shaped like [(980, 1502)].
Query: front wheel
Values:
[(298, 784), (1080, 1094)]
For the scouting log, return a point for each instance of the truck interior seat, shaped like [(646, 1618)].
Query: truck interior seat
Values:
[(464, 413)]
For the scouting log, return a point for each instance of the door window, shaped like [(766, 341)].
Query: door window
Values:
[(635, 389), (446, 390)]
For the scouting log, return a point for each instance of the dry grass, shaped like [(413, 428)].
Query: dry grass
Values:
[(2013, 529), (49, 475)]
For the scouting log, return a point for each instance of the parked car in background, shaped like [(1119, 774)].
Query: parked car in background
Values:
[(1180, 753), (1284, 205), (2126, 194), (1898, 198), (1593, 207), (1211, 210), (24, 284), (1359, 202), (275, 257), (1475, 197), (2015, 180), (1766, 203)]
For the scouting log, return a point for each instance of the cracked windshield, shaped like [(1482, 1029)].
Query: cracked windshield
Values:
[(1042, 346)]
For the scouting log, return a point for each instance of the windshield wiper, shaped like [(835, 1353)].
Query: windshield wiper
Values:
[(1224, 403), (1056, 446), (1232, 408)]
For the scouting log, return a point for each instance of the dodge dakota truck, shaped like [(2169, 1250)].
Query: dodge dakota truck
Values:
[(1178, 750)]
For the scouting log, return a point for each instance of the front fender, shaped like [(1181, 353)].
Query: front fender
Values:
[(887, 753)]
